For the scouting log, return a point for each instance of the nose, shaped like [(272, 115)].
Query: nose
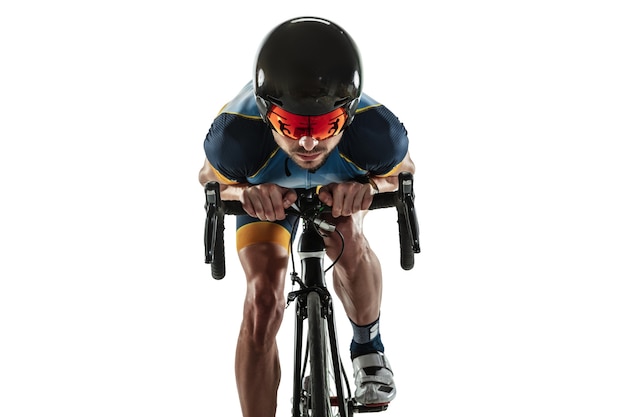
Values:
[(308, 142)]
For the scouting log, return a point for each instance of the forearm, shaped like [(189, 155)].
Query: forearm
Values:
[(384, 184), (390, 183), (227, 191)]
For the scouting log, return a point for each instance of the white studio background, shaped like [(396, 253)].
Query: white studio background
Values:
[(515, 112)]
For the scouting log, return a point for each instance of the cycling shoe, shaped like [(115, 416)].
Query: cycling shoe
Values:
[(373, 379)]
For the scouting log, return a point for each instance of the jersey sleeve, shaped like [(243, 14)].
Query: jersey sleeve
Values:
[(376, 141), (237, 146)]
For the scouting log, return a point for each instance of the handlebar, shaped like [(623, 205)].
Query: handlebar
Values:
[(402, 199), (381, 200)]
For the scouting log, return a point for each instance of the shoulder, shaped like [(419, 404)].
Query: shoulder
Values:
[(238, 141), (243, 104), (372, 116), (376, 140)]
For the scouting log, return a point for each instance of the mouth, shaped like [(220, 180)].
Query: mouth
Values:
[(308, 156)]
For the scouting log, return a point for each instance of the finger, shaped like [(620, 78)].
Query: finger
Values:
[(366, 198), (276, 209), (257, 207), (252, 210), (325, 196), (259, 203), (289, 198), (338, 203), (352, 200), (357, 199), (246, 204), (249, 210), (367, 202)]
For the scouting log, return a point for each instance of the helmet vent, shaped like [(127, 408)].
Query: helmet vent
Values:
[(342, 102), (274, 100)]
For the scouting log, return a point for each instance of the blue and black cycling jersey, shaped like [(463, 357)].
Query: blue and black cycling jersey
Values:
[(241, 148)]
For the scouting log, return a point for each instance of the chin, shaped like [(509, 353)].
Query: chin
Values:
[(310, 165)]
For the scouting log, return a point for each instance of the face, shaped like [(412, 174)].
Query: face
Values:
[(307, 153)]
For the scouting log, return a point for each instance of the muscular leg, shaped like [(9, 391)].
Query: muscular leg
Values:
[(358, 283), (357, 277), (257, 367)]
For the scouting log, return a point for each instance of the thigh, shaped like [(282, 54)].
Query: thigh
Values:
[(251, 230), (263, 249)]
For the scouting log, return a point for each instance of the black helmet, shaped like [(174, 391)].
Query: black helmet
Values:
[(308, 66)]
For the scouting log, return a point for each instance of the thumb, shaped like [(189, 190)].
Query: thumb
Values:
[(289, 198), (325, 196)]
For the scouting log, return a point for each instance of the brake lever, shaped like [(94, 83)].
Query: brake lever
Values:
[(212, 207), (407, 197)]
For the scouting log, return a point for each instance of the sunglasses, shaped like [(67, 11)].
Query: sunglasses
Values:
[(294, 126)]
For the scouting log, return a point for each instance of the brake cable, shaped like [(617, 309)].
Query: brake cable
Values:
[(320, 225)]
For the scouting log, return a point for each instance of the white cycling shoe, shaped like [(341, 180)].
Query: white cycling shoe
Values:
[(373, 379)]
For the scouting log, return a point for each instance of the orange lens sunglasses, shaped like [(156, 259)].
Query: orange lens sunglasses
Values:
[(295, 126)]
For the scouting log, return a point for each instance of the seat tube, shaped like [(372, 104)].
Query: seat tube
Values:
[(312, 251)]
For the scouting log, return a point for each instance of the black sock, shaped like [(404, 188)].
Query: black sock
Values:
[(366, 339)]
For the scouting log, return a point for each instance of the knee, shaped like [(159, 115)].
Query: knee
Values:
[(265, 267), (354, 241), (263, 313), (266, 304), (357, 257)]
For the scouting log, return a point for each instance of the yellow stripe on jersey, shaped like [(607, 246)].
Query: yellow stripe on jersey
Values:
[(221, 178)]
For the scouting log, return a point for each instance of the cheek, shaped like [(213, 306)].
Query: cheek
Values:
[(288, 145), (283, 142)]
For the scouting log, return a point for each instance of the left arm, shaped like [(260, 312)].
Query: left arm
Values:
[(350, 197), (390, 182)]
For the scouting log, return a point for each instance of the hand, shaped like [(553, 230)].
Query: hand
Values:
[(347, 198), (267, 201)]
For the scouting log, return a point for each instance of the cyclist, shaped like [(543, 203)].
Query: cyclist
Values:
[(303, 121)]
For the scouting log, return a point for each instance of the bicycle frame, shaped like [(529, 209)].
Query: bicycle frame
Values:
[(313, 297), (312, 251)]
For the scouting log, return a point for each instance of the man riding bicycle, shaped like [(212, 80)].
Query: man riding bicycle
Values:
[(304, 122)]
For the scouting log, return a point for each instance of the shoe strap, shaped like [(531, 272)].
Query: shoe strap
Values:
[(371, 360)]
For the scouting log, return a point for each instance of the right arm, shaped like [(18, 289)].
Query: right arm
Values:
[(228, 190), (264, 201)]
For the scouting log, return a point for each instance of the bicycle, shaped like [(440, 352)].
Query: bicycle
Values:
[(320, 383)]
